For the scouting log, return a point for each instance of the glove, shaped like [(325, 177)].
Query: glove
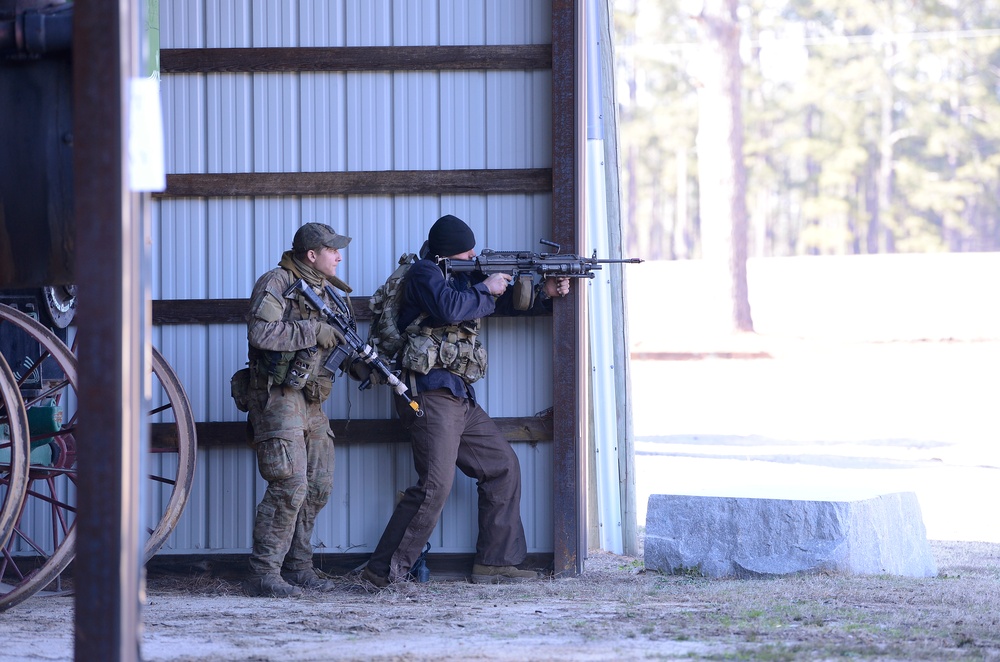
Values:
[(360, 370), (328, 336)]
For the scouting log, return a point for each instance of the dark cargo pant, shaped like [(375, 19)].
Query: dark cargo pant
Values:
[(454, 431), (295, 455)]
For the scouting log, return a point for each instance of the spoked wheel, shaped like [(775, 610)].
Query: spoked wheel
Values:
[(42, 543), (170, 484), (13, 451)]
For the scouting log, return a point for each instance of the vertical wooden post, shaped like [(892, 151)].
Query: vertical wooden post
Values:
[(569, 360), (110, 336)]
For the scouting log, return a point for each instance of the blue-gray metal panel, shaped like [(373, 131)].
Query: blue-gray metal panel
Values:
[(184, 132), (227, 24), (369, 23), (369, 121), (324, 131), (536, 495), (229, 120), (275, 122), (37, 517), (515, 127), (275, 23), (242, 23), (518, 22), (463, 116), (462, 22), (416, 125), (356, 121), (322, 22), (331, 121), (182, 23)]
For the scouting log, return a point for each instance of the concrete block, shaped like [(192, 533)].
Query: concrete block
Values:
[(768, 537)]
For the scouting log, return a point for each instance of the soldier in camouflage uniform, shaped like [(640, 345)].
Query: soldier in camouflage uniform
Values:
[(287, 386)]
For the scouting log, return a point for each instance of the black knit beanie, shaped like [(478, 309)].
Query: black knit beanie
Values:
[(450, 236)]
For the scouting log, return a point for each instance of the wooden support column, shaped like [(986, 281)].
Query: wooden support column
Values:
[(110, 336), (569, 419)]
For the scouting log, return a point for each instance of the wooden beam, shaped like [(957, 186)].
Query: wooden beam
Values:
[(533, 429), (379, 182), (168, 312), (356, 58), (203, 311)]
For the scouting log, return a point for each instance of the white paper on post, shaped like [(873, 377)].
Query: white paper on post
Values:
[(146, 161)]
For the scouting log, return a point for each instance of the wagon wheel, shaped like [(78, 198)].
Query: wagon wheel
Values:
[(52, 485), (32, 560), (175, 405), (13, 451)]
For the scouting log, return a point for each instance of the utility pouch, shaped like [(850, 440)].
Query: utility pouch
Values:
[(240, 388), (420, 353), (301, 368)]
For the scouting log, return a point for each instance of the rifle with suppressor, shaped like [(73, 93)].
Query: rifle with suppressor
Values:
[(343, 322), (523, 265)]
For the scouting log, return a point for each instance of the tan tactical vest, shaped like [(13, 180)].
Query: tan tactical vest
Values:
[(455, 348)]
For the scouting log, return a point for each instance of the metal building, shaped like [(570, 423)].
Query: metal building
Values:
[(376, 117)]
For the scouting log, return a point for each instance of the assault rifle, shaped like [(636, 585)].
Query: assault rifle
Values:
[(343, 322), (523, 265)]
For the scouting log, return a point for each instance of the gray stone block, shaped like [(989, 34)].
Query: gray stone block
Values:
[(766, 537)]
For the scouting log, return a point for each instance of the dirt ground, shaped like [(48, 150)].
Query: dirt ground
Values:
[(897, 416), (615, 611)]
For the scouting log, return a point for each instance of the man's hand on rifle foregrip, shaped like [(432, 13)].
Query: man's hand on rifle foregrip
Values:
[(556, 286)]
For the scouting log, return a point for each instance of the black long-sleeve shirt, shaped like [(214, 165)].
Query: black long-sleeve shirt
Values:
[(458, 298)]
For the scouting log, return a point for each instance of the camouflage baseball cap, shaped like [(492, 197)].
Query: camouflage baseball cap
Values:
[(312, 236)]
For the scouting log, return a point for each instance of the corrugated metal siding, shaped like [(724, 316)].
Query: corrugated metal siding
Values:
[(334, 122)]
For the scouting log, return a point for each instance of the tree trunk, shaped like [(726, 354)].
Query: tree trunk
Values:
[(721, 171)]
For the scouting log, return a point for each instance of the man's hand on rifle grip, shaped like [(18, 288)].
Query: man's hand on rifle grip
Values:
[(497, 283), (328, 336)]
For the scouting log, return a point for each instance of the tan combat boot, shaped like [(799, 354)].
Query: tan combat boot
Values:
[(500, 574), (310, 579), (375, 580), (270, 586)]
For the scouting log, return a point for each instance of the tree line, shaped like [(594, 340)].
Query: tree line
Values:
[(866, 127)]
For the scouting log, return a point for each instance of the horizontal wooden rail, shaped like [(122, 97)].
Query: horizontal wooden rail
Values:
[(204, 311), (361, 431), (355, 58), (168, 312), (370, 182)]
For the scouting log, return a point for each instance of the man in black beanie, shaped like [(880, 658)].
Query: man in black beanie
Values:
[(440, 317)]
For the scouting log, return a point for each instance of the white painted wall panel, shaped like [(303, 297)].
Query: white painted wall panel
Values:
[(336, 121)]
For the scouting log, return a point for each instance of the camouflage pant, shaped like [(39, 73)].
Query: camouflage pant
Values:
[(295, 455)]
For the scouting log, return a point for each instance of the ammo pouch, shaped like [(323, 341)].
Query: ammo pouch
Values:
[(304, 374), (240, 387), (301, 368), (272, 367), (318, 388), (455, 348)]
